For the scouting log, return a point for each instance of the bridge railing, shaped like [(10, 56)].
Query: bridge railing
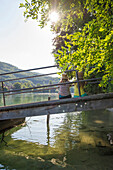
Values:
[(39, 88)]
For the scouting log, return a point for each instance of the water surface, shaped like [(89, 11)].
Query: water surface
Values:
[(75, 140)]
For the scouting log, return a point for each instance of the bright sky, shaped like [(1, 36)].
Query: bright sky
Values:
[(23, 44)]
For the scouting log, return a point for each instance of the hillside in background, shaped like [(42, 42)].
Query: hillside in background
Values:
[(5, 68)]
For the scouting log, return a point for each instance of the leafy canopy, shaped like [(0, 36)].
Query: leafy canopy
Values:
[(93, 40), (94, 53)]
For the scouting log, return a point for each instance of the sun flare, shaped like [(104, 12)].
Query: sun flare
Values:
[(54, 17)]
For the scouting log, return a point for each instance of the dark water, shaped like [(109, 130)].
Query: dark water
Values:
[(74, 141)]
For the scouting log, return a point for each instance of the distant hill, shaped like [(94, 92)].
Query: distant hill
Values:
[(5, 67)]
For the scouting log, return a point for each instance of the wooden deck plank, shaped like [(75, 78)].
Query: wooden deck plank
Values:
[(93, 102)]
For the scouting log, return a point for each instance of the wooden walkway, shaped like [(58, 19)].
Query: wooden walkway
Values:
[(93, 102)]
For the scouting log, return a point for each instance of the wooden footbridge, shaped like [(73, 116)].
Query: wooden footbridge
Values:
[(92, 102)]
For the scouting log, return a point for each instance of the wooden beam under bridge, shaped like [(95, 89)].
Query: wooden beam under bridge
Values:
[(93, 102)]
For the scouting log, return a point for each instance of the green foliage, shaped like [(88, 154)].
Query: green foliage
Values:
[(38, 84), (94, 43), (27, 85), (50, 82), (84, 34), (35, 9), (5, 88), (69, 12), (17, 85)]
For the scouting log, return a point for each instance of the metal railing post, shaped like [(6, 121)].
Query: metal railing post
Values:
[(48, 115), (78, 83), (3, 94)]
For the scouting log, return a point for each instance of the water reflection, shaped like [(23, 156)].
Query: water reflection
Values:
[(27, 98), (48, 134), (37, 130), (1, 100), (67, 129)]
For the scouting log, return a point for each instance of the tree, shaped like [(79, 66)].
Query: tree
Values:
[(94, 43), (27, 84), (41, 10), (87, 45), (17, 85)]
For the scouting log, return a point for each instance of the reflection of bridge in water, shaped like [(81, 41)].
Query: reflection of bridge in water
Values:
[(93, 102)]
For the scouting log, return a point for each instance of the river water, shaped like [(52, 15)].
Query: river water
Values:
[(72, 141)]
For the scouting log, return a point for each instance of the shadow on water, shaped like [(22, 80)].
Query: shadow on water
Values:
[(72, 141)]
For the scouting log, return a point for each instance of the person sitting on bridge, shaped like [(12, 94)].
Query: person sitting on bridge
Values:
[(64, 89), (81, 85)]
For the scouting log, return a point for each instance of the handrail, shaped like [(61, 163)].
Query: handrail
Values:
[(40, 75), (96, 82), (50, 85), (28, 70), (43, 87), (31, 91)]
